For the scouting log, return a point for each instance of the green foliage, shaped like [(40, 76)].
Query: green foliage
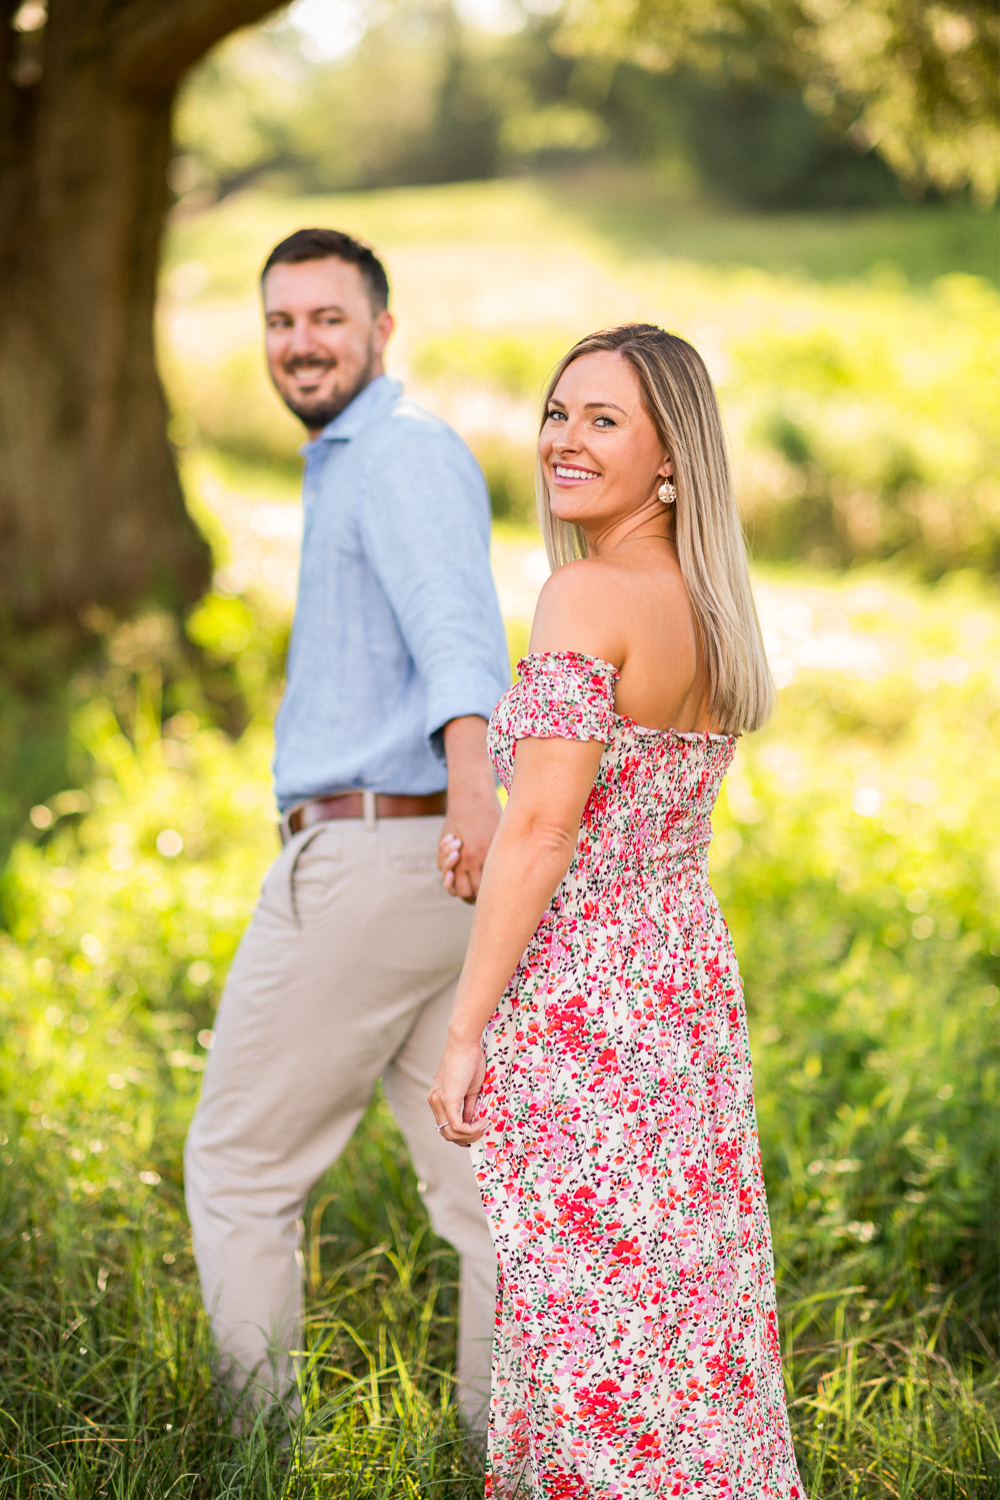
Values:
[(861, 410), (864, 814), (805, 102), (925, 78), (36, 758), (855, 863), (853, 860), (510, 476), (517, 369), (468, 104), (147, 668), (880, 416), (916, 82), (515, 365), (863, 417), (258, 109), (744, 139), (227, 402)]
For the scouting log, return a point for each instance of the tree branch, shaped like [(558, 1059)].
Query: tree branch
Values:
[(158, 40)]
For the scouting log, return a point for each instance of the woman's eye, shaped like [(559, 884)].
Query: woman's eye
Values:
[(555, 416), (607, 421)]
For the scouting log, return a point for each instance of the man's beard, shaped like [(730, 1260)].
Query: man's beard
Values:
[(317, 413)]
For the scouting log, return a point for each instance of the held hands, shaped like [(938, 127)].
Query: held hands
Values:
[(455, 1091), (473, 809), (464, 844)]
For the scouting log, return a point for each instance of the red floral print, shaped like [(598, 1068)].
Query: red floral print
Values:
[(636, 1349)]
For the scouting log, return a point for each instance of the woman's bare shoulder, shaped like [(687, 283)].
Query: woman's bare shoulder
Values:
[(578, 611)]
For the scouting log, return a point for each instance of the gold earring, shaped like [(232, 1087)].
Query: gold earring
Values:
[(667, 493)]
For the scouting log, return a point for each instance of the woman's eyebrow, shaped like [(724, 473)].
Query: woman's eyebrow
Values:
[(592, 404)]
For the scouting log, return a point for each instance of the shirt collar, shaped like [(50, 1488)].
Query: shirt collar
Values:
[(369, 404)]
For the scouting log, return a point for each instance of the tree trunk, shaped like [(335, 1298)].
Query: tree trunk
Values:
[(91, 509)]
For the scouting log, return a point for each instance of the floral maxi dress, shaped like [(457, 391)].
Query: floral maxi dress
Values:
[(636, 1350)]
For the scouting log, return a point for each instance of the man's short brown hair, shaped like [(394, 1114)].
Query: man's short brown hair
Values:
[(332, 244)]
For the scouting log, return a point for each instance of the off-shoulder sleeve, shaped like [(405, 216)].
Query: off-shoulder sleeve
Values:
[(564, 695)]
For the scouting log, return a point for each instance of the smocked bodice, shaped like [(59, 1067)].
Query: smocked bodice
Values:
[(648, 816)]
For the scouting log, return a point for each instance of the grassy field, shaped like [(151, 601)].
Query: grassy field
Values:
[(861, 405), (853, 857)]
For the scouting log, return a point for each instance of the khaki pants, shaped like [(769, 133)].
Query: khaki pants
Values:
[(345, 974)]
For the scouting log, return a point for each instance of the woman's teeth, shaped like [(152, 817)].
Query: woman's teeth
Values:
[(564, 473)]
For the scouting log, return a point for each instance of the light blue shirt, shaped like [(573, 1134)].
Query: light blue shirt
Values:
[(397, 626)]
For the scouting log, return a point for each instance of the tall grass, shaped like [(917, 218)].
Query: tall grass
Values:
[(853, 860)]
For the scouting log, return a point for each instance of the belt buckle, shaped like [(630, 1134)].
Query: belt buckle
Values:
[(285, 833)]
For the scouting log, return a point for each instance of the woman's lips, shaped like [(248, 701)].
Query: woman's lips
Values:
[(568, 475)]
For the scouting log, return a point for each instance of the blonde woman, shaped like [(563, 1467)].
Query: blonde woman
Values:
[(597, 1058)]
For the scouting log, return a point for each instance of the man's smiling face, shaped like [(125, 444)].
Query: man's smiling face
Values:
[(324, 340)]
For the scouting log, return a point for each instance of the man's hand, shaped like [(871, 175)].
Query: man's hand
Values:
[(473, 808)]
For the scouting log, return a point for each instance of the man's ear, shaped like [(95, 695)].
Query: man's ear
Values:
[(382, 329)]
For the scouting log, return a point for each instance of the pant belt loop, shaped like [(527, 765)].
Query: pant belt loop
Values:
[(368, 804)]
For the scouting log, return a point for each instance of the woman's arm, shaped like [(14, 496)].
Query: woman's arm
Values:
[(529, 856)]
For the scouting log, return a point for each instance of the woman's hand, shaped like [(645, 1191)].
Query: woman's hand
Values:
[(449, 854), (455, 1091), (529, 856)]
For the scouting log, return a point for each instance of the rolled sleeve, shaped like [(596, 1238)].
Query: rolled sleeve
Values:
[(425, 530), (453, 696)]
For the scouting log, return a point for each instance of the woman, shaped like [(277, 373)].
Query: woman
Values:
[(612, 1113)]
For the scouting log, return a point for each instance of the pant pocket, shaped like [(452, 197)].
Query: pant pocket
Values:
[(316, 875)]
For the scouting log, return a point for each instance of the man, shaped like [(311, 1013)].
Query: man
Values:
[(347, 969)]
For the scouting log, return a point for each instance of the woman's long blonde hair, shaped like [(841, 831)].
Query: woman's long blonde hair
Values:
[(678, 395)]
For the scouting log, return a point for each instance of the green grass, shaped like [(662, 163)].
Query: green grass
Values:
[(918, 243), (868, 942), (620, 213)]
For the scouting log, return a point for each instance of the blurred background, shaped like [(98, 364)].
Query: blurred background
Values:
[(806, 192)]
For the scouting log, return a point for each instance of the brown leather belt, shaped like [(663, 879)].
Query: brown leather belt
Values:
[(352, 805)]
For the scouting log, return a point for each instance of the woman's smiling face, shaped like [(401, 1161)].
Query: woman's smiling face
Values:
[(603, 458)]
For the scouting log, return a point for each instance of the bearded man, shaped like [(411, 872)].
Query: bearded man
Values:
[(347, 969)]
